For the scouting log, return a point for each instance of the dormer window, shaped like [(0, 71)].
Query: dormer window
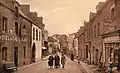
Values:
[(112, 11), (16, 10)]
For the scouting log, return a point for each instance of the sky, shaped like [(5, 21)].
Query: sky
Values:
[(62, 16)]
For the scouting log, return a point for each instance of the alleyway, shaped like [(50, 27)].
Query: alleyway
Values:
[(41, 67)]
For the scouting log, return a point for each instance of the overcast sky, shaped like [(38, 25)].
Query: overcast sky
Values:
[(62, 16)]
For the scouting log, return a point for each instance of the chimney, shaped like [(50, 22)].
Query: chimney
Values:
[(34, 14), (25, 9), (91, 16), (99, 6), (40, 19)]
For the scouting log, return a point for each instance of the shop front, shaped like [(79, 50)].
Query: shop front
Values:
[(111, 45)]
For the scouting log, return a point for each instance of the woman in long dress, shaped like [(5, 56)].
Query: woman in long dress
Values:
[(50, 61), (57, 61)]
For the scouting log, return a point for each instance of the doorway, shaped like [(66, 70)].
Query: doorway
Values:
[(33, 53), (4, 54), (16, 56), (97, 56)]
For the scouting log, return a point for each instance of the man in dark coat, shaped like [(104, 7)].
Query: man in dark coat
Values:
[(50, 62), (63, 59), (57, 61)]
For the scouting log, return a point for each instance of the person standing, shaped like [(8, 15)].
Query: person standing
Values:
[(72, 57), (57, 61), (50, 61), (63, 59)]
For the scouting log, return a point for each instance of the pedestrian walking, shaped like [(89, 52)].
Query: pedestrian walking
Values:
[(57, 61), (63, 59), (50, 61), (72, 57)]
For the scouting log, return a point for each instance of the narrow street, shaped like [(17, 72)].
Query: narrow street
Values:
[(41, 67)]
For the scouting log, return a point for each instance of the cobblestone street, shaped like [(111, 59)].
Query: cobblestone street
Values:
[(41, 67)]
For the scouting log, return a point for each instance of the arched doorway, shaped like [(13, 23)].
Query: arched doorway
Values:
[(33, 53)]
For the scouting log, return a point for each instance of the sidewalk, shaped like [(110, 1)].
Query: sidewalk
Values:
[(86, 67), (43, 59), (93, 68)]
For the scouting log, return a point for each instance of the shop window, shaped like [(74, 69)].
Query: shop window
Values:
[(33, 33), (16, 28), (4, 54), (36, 34)]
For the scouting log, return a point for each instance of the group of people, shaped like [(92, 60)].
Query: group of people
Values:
[(56, 61)]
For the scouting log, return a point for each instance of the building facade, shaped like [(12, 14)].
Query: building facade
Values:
[(106, 19), (14, 34)]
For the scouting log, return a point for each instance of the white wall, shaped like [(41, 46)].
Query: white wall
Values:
[(38, 43)]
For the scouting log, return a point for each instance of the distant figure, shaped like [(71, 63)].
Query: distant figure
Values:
[(57, 61), (72, 57), (78, 60), (63, 59), (50, 62)]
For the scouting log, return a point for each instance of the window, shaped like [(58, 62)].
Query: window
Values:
[(0, 23), (39, 36), (4, 24), (16, 10), (36, 34), (95, 31), (89, 33), (16, 28), (113, 11), (98, 29), (24, 26), (24, 52), (33, 33), (4, 54)]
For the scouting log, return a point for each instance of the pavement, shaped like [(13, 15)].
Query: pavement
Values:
[(94, 68), (42, 67)]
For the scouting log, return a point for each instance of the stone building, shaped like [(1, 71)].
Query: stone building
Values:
[(81, 42), (14, 34), (37, 33), (101, 34), (75, 46)]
